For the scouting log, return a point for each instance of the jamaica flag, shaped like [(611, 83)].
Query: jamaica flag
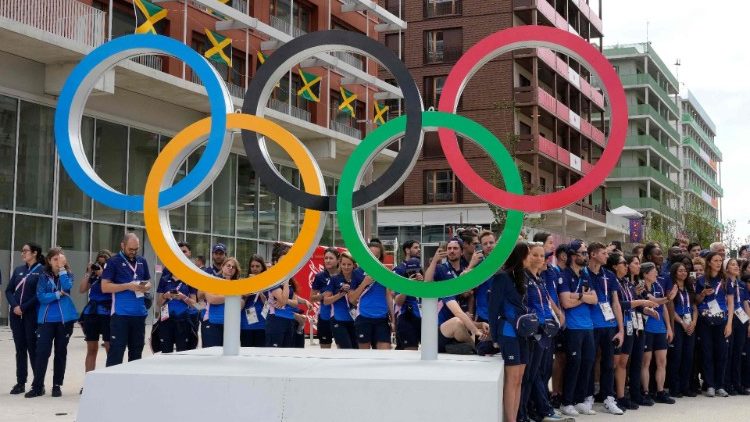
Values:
[(380, 110), (221, 48), (261, 58), (311, 86), (347, 101), (147, 15)]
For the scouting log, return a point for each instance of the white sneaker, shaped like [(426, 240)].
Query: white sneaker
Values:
[(722, 393), (569, 410), (584, 409), (611, 406), (710, 392), (589, 401)]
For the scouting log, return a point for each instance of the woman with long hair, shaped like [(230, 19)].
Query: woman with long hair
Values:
[(621, 267), (680, 356), (715, 298), (342, 322), (539, 301), (21, 295), (282, 306), (740, 329), (658, 335), (254, 312), (374, 322), (506, 304), (213, 320), (56, 317), (319, 284)]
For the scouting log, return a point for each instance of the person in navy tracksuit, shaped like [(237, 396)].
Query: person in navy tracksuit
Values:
[(23, 304), (95, 318), (319, 284), (506, 304), (335, 294), (715, 298), (658, 336), (681, 351), (176, 300), (56, 317), (127, 278), (739, 330)]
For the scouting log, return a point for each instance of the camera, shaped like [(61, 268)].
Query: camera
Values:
[(95, 267), (411, 272), (174, 292)]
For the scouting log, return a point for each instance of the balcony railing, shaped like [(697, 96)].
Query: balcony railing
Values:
[(240, 5), (442, 8), (289, 109), (349, 59), (687, 118), (648, 110), (644, 172), (346, 129), (648, 141), (646, 79), (284, 26), (234, 90), (150, 60), (70, 19), (443, 55), (703, 174)]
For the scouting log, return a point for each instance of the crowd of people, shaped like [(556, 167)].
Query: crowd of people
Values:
[(574, 323)]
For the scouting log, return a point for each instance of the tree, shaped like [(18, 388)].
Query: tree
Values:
[(697, 226), (730, 237)]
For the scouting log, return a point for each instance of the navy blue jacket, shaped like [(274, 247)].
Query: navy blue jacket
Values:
[(25, 295), (505, 304)]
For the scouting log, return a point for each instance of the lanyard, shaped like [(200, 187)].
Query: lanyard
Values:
[(133, 268), (626, 291), (684, 299), (606, 287), (22, 285), (533, 281)]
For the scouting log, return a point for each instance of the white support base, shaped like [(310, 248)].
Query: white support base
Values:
[(295, 385)]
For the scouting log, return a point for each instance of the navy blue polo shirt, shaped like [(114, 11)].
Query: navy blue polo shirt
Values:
[(121, 270), (167, 283), (96, 295), (605, 284), (341, 306), (720, 292), (321, 280), (411, 302), (552, 277), (578, 318), (654, 325), (372, 302)]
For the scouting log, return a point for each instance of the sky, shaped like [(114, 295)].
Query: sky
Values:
[(711, 41)]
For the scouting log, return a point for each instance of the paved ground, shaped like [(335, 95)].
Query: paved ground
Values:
[(48, 409)]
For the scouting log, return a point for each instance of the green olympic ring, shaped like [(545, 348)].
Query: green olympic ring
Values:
[(351, 179)]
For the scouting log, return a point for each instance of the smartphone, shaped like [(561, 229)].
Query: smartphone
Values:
[(174, 292), (143, 283), (692, 274), (443, 246)]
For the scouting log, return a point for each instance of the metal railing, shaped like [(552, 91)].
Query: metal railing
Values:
[(150, 60), (283, 26), (346, 129), (648, 141), (240, 5), (644, 172), (349, 59), (289, 109), (646, 79), (648, 110), (687, 118), (70, 19)]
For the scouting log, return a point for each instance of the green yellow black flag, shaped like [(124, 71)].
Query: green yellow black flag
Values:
[(347, 101), (311, 86), (261, 58), (147, 15), (221, 48), (380, 110)]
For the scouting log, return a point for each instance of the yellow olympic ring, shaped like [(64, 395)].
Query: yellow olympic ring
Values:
[(157, 220)]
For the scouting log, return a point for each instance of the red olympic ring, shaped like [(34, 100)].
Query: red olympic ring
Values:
[(519, 37)]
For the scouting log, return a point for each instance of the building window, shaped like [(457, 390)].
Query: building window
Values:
[(445, 45), (433, 87), (434, 8), (440, 186), (235, 74), (302, 13), (357, 121)]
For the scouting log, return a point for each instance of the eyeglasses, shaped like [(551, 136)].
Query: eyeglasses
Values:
[(25, 250)]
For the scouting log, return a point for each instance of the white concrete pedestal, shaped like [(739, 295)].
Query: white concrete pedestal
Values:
[(307, 385)]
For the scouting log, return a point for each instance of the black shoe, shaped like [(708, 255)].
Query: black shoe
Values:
[(34, 393), (645, 400), (18, 389), (599, 398), (555, 401), (626, 404), (56, 392), (663, 397), (677, 396), (690, 393), (742, 392)]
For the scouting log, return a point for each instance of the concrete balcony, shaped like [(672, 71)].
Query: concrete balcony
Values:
[(645, 80), (286, 27), (526, 96), (646, 141), (644, 173), (552, 16), (688, 119), (647, 110), (346, 129), (289, 109), (693, 165)]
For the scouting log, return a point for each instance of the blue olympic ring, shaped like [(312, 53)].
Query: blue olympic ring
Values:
[(72, 102)]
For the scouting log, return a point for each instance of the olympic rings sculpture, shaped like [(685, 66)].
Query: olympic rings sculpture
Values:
[(160, 195)]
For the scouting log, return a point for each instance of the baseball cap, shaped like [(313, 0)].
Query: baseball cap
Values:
[(219, 247)]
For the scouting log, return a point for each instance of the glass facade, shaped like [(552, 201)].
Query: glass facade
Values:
[(39, 203)]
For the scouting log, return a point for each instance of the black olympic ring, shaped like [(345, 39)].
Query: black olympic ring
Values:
[(294, 52)]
